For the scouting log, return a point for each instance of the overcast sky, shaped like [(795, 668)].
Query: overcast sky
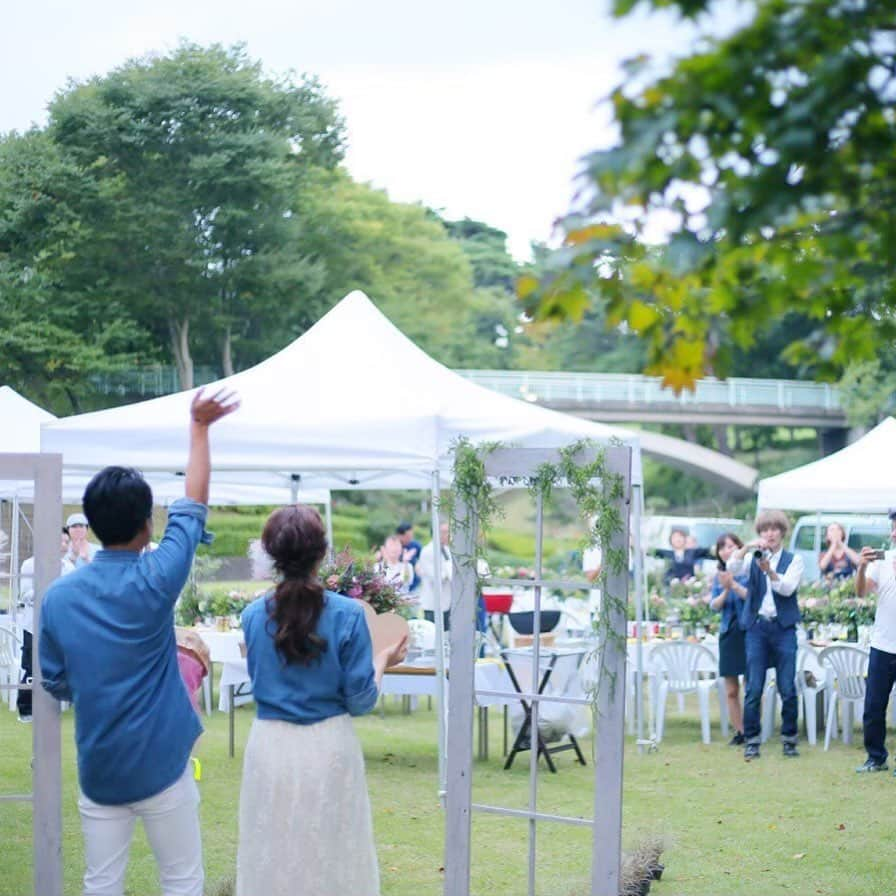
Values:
[(479, 108)]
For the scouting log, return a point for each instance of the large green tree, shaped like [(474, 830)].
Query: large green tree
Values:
[(198, 158), (771, 153), (51, 338)]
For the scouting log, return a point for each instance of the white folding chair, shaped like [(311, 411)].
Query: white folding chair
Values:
[(848, 667), (559, 675), (680, 668)]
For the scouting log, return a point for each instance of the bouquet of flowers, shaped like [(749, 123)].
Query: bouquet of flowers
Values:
[(361, 580)]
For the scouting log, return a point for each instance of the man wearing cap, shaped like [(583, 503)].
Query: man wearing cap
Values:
[(879, 576), (81, 551)]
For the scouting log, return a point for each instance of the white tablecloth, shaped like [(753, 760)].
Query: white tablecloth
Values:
[(489, 675), (226, 648)]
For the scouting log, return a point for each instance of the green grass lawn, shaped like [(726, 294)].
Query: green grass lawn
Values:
[(805, 826)]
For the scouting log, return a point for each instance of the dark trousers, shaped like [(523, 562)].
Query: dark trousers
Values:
[(23, 698), (768, 644), (881, 677)]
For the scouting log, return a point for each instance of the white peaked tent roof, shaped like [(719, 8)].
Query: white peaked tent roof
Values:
[(352, 402), (861, 478), (20, 422)]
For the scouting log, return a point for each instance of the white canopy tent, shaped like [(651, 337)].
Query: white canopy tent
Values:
[(20, 422), (860, 478), (352, 403)]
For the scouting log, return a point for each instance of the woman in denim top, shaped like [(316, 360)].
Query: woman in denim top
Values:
[(304, 820), (727, 594)]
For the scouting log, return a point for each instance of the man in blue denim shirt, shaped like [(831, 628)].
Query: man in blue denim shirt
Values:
[(107, 645)]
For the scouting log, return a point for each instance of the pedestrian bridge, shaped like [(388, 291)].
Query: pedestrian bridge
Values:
[(629, 398)]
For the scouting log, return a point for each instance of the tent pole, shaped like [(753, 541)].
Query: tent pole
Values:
[(14, 565), (440, 632), (637, 510), (328, 510)]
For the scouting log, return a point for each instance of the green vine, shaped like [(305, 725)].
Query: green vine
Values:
[(597, 492), (472, 484)]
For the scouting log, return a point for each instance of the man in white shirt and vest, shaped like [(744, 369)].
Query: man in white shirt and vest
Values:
[(769, 617), (878, 575)]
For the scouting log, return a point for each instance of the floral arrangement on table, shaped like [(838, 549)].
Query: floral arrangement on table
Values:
[(209, 602), (514, 572), (835, 601), (683, 601), (361, 580)]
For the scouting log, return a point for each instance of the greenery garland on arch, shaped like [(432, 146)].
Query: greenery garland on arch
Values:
[(597, 493)]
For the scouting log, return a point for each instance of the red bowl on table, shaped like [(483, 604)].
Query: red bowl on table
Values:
[(497, 603)]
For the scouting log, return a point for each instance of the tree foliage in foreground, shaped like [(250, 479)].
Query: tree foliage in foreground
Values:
[(772, 152)]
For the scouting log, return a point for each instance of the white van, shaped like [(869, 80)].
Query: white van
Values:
[(808, 536), (657, 529)]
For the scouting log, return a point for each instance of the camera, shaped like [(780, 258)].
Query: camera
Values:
[(762, 554), (879, 555)]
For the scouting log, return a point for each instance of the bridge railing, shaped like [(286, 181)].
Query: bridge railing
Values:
[(621, 388), (548, 387), (148, 382)]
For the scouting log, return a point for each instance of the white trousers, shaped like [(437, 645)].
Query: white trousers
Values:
[(171, 821)]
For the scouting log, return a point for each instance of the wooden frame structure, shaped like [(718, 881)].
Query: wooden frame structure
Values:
[(510, 463), (45, 471)]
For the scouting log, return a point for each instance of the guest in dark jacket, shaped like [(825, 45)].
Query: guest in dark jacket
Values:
[(683, 558)]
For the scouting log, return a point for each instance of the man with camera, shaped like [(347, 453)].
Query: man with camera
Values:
[(769, 617), (876, 572)]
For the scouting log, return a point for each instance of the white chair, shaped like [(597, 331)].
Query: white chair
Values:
[(806, 661), (682, 667), (10, 667), (811, 680), (423, 635), (848, 667)]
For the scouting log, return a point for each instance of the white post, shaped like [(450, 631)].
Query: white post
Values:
[(535, 707), (609, 736), (46, 736), (440, 632), (459, 758), (637, 508)]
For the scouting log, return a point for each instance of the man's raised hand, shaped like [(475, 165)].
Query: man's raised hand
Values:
[(206, 410)]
